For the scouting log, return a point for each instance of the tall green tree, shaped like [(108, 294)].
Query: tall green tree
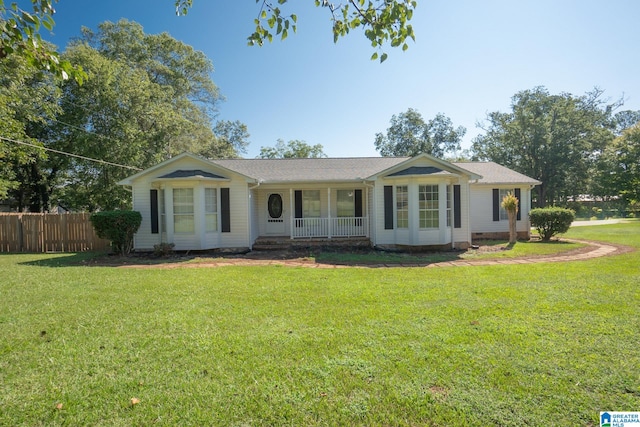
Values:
[(147, 98), (134, 110), (28, 102), (231, 138), (410, 135), (294, 149), (552, 138), (618, 172)]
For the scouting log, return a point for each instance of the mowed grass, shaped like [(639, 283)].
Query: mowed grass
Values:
[(507, 345), (494, 249)]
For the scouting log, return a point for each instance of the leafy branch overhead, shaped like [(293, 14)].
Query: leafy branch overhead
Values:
[(383, 21), (19, 33)]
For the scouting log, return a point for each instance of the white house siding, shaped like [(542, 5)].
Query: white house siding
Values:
[(238, 190), (481, 200), (461, 237), (254, 215), (413, 235)]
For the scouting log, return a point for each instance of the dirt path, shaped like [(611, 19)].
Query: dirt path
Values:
[(592, 250)]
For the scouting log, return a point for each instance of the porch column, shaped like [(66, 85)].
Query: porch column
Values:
[(329, 211), (291, 214)]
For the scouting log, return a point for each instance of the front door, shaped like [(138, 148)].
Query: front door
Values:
[(275, 214)]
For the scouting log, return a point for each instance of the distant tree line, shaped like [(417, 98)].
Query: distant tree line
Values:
[(575, 145)]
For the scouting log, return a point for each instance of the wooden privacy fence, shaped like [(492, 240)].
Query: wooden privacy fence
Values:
[(44, 232)]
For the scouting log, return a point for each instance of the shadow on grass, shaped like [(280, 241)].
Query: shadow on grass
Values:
[(64, 259)]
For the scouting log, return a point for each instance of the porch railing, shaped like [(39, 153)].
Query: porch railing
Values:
[(330, 227)]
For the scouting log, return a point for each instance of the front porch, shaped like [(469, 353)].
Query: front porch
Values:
[(340, 227), (339, 211)]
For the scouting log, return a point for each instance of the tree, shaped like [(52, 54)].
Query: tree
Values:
[(230, 139), (625, 120), (552, 138), (19, 35), (410, 135), (294, 149), (383, 21), (28, 102), (135, 110), (619, 168), (510, 204)]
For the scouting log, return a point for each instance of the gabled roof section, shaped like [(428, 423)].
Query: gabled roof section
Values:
[(205, 162), (352, 169), (493, 173), (309, 170), (408, 164)]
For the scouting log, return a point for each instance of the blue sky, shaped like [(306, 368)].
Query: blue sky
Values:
[(470, 57)]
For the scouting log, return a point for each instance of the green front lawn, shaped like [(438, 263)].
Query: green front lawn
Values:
[(508, 345)]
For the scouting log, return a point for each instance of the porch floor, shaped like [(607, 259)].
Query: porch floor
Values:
[(273, 243)]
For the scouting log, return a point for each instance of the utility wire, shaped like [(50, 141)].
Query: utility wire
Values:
[(104, 162)]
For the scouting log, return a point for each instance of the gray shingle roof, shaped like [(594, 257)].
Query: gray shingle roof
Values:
[(301, 170), (493, 173)]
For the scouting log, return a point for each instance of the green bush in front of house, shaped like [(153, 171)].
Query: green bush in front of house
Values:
[(118, 227), (551, 221)]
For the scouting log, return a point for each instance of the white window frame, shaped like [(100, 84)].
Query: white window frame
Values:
[(211, 209), (181, 211), (163, 210), (502, 192), (346, 203), (428, 206), (311, 207), (402, 206), (449, 204)]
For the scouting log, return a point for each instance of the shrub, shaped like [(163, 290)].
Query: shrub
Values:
[(118, 227), (551, 221), (163, 249)]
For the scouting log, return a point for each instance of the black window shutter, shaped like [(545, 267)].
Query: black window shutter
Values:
[(457, 209), (154, 211), (496, 204), (517, 194), (298, 203), (388, 207), (357, 199), (225, 210)]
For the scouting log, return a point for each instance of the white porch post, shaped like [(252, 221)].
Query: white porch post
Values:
[(292, 213), (442, 210), (329, 211)]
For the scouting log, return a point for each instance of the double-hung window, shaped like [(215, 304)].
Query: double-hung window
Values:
[(449, 205), (211, 209), (428, 206), (311, 204), (504, 216), (346, 203), (183, 221), (402, 206), (162, 210)]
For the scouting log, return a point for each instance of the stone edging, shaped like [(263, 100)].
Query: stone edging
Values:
[(594, 250)]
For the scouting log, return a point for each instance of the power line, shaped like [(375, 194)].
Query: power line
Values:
[(104, 162)]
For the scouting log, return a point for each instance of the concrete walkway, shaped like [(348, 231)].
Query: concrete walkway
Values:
[(593, 250), (596, 222)]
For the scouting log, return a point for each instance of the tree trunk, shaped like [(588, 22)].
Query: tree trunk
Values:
[(513, 232)]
